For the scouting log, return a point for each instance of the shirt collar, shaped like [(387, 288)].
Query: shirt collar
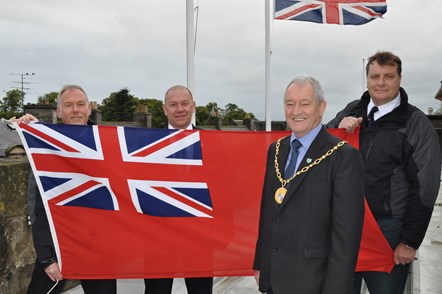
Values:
[(384, 108), (189, 127), (308, 138)]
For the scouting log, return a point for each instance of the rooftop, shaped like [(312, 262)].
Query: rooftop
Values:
[(8, 138)]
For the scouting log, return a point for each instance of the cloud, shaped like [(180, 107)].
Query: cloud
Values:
[(141, 45)]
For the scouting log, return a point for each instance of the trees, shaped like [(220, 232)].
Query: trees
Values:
[(213, 106), (119, 106), (228, 114), (155, 108), (201, 115), (232, 111), (48, 98), (12, 103)]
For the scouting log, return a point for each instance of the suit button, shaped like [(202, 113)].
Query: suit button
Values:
[(275, 249)]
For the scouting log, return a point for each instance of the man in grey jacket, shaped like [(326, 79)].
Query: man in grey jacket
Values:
[(402, 166)]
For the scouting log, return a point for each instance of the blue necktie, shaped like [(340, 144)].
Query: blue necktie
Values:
[(291, 167)]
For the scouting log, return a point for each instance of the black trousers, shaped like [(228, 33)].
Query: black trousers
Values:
[(99, 286), (193, 285), (41, 284)]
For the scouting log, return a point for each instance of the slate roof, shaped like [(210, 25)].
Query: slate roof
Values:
[(8, 137)]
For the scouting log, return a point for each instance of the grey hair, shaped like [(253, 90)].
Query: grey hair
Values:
[(70, 87), (302, 80)]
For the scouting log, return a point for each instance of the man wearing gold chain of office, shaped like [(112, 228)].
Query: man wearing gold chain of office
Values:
[(312, 205)]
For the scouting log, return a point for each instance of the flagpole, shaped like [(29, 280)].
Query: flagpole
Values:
[(190, 42), (268, 112), (363, 75)]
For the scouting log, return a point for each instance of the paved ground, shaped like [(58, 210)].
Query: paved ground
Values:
[(232, 285), (426, 273), (430, 254)]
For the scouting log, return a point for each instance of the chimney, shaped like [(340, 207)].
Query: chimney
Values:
[(142, 116), (95, 113), (439, 93)]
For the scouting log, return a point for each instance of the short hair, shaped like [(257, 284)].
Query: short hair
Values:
[(70, 87), (302, 80), (177, 87), (385, 58)]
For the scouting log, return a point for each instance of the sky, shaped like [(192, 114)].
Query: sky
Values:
[(107, 45)]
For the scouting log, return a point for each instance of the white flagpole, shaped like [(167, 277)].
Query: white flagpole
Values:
[(190, 41), (268, 112), (363, 75)]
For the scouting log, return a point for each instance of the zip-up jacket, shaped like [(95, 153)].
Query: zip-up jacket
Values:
[(402, 165)]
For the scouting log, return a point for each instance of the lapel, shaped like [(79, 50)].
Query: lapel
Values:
[(284, 149), (316, 150)]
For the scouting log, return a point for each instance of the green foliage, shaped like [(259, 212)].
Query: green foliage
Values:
[(230, 107), (201, 115), (232, 112), (119, 106), (48, 98), (12, 104), (155, 108), (213, 106)]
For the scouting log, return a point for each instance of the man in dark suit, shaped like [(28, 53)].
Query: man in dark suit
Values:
[(178, 107), (311, 220)]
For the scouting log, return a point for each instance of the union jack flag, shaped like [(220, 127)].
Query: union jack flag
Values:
[(343, 12), (70, 164)]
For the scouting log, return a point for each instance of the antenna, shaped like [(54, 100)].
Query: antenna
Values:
[(24, 77)]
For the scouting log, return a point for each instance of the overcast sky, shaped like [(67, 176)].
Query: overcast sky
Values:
[(107, 45)]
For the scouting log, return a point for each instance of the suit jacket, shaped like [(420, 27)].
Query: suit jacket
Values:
[(310, 242)]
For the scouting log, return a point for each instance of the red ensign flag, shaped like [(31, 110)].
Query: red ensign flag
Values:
[(137, 203)]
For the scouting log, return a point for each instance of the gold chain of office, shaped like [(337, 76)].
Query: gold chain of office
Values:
[(280, 193)]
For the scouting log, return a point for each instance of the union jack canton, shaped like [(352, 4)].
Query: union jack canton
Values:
[(343, 12), (98, 167)]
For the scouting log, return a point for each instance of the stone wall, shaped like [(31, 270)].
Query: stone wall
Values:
[(48, 114), (17, 255), (43, 112)]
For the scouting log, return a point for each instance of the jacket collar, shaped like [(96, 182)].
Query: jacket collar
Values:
[(399, 115)]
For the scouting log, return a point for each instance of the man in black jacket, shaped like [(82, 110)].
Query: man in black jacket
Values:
[(402, 166), (178, 107), (73, 109)]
